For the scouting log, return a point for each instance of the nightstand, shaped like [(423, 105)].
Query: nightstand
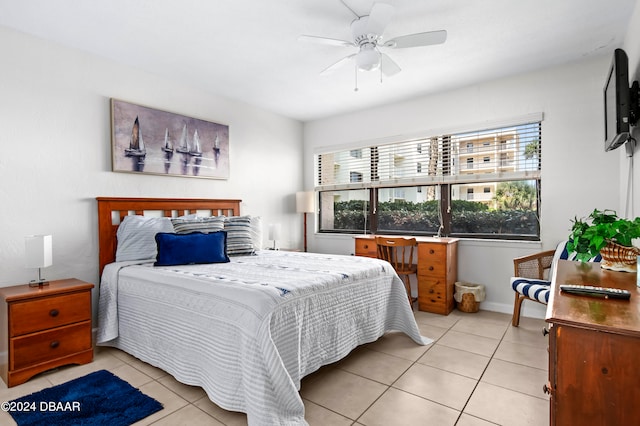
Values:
[(43, 328)]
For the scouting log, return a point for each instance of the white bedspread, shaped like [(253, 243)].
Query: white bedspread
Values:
[(248, 331)]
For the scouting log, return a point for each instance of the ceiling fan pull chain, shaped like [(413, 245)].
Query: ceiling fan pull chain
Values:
[(356, 70)]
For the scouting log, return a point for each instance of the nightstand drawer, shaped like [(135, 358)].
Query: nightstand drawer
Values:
[(366, 247), (59, 342), (433, 259), (48, 312), (433, 296)]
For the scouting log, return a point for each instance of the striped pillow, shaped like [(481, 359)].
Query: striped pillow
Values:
[(198, 224), (239, 239)]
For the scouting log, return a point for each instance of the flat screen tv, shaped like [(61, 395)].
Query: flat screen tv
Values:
[(617, 102)]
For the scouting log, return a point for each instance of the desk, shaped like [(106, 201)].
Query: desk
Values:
[(437, 270), (593, 349)]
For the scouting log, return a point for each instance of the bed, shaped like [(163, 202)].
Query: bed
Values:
[(246, 330)]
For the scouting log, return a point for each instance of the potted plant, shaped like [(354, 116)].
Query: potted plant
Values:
[(604, 233)]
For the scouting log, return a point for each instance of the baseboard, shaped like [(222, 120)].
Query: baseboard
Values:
[(529, 310)]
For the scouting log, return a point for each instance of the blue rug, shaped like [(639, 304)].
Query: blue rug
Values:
[(99, 398)]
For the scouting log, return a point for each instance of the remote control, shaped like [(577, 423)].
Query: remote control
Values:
[(588, 290)]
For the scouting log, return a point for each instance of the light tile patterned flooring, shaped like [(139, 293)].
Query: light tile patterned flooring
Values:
[(479, 371)]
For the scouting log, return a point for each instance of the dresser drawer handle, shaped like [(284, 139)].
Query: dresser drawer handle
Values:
[(431, 268), (54, 312), (54, 344), (431, 251)]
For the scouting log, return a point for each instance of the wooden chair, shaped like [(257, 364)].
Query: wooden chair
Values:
[(399, 253)]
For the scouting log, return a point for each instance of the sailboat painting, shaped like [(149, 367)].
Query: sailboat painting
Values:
[(168, 146), (173, 144), (136, 143)]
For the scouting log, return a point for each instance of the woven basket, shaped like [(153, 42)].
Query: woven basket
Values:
[(468, 303), (619, 258)]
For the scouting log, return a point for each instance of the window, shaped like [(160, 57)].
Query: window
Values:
[(469, 193), (442, 186), (469, 163), (345, 211)]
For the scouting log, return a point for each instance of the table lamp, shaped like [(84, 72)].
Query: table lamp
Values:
[(274, 233), (38, 254)]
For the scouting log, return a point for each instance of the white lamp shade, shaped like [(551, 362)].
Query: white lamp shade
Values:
[(305, 202), (274, 232), (38, 251)]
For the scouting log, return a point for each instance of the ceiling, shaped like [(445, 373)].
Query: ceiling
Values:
[(248, 50)]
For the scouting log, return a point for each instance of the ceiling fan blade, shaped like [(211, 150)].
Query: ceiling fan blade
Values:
[(379, 18), (388, 65), (326, 41), (338, 64), (417, 40)]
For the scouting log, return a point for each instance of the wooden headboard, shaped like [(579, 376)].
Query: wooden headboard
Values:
[(111, 211)]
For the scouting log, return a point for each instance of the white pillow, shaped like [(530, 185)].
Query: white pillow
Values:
[(137, 237), (256, 232)]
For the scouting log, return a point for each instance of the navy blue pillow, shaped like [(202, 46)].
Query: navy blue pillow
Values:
[(196, 247)]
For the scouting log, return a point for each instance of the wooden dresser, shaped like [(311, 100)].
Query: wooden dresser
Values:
[(594, 349), (437, 270), (43, 328)]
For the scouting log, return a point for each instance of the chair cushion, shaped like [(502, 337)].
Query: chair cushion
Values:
[(534, 289)]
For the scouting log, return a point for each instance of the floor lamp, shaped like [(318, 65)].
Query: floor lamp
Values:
[(304, 204)]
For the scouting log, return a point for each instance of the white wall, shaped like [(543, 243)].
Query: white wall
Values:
[(577, 174), (630, 189), (55, 154)]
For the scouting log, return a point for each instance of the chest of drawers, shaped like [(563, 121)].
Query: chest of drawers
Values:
[(43, 328), (437, 272), (593, 349)]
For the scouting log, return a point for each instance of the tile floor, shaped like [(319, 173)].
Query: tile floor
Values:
[(478, 371)]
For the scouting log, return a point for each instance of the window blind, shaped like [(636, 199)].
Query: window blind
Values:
[(497, 154)]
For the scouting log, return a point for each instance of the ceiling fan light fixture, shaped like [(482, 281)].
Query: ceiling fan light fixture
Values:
[(368, 59)]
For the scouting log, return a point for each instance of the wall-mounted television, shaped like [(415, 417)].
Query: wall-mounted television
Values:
[(620, 102)]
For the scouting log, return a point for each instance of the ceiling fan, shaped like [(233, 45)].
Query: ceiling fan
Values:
[(367, 31)]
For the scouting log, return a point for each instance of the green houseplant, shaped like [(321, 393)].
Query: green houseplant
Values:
[(603, 232)]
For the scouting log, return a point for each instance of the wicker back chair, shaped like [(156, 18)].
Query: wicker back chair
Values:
[(533, 276), (536, 268)]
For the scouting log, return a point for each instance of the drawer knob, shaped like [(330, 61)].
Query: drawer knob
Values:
[(545, 331), (431, 290), (431, 251), (431, 268), (366, 246), (54, 344), (54, 312), (546, 388)]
